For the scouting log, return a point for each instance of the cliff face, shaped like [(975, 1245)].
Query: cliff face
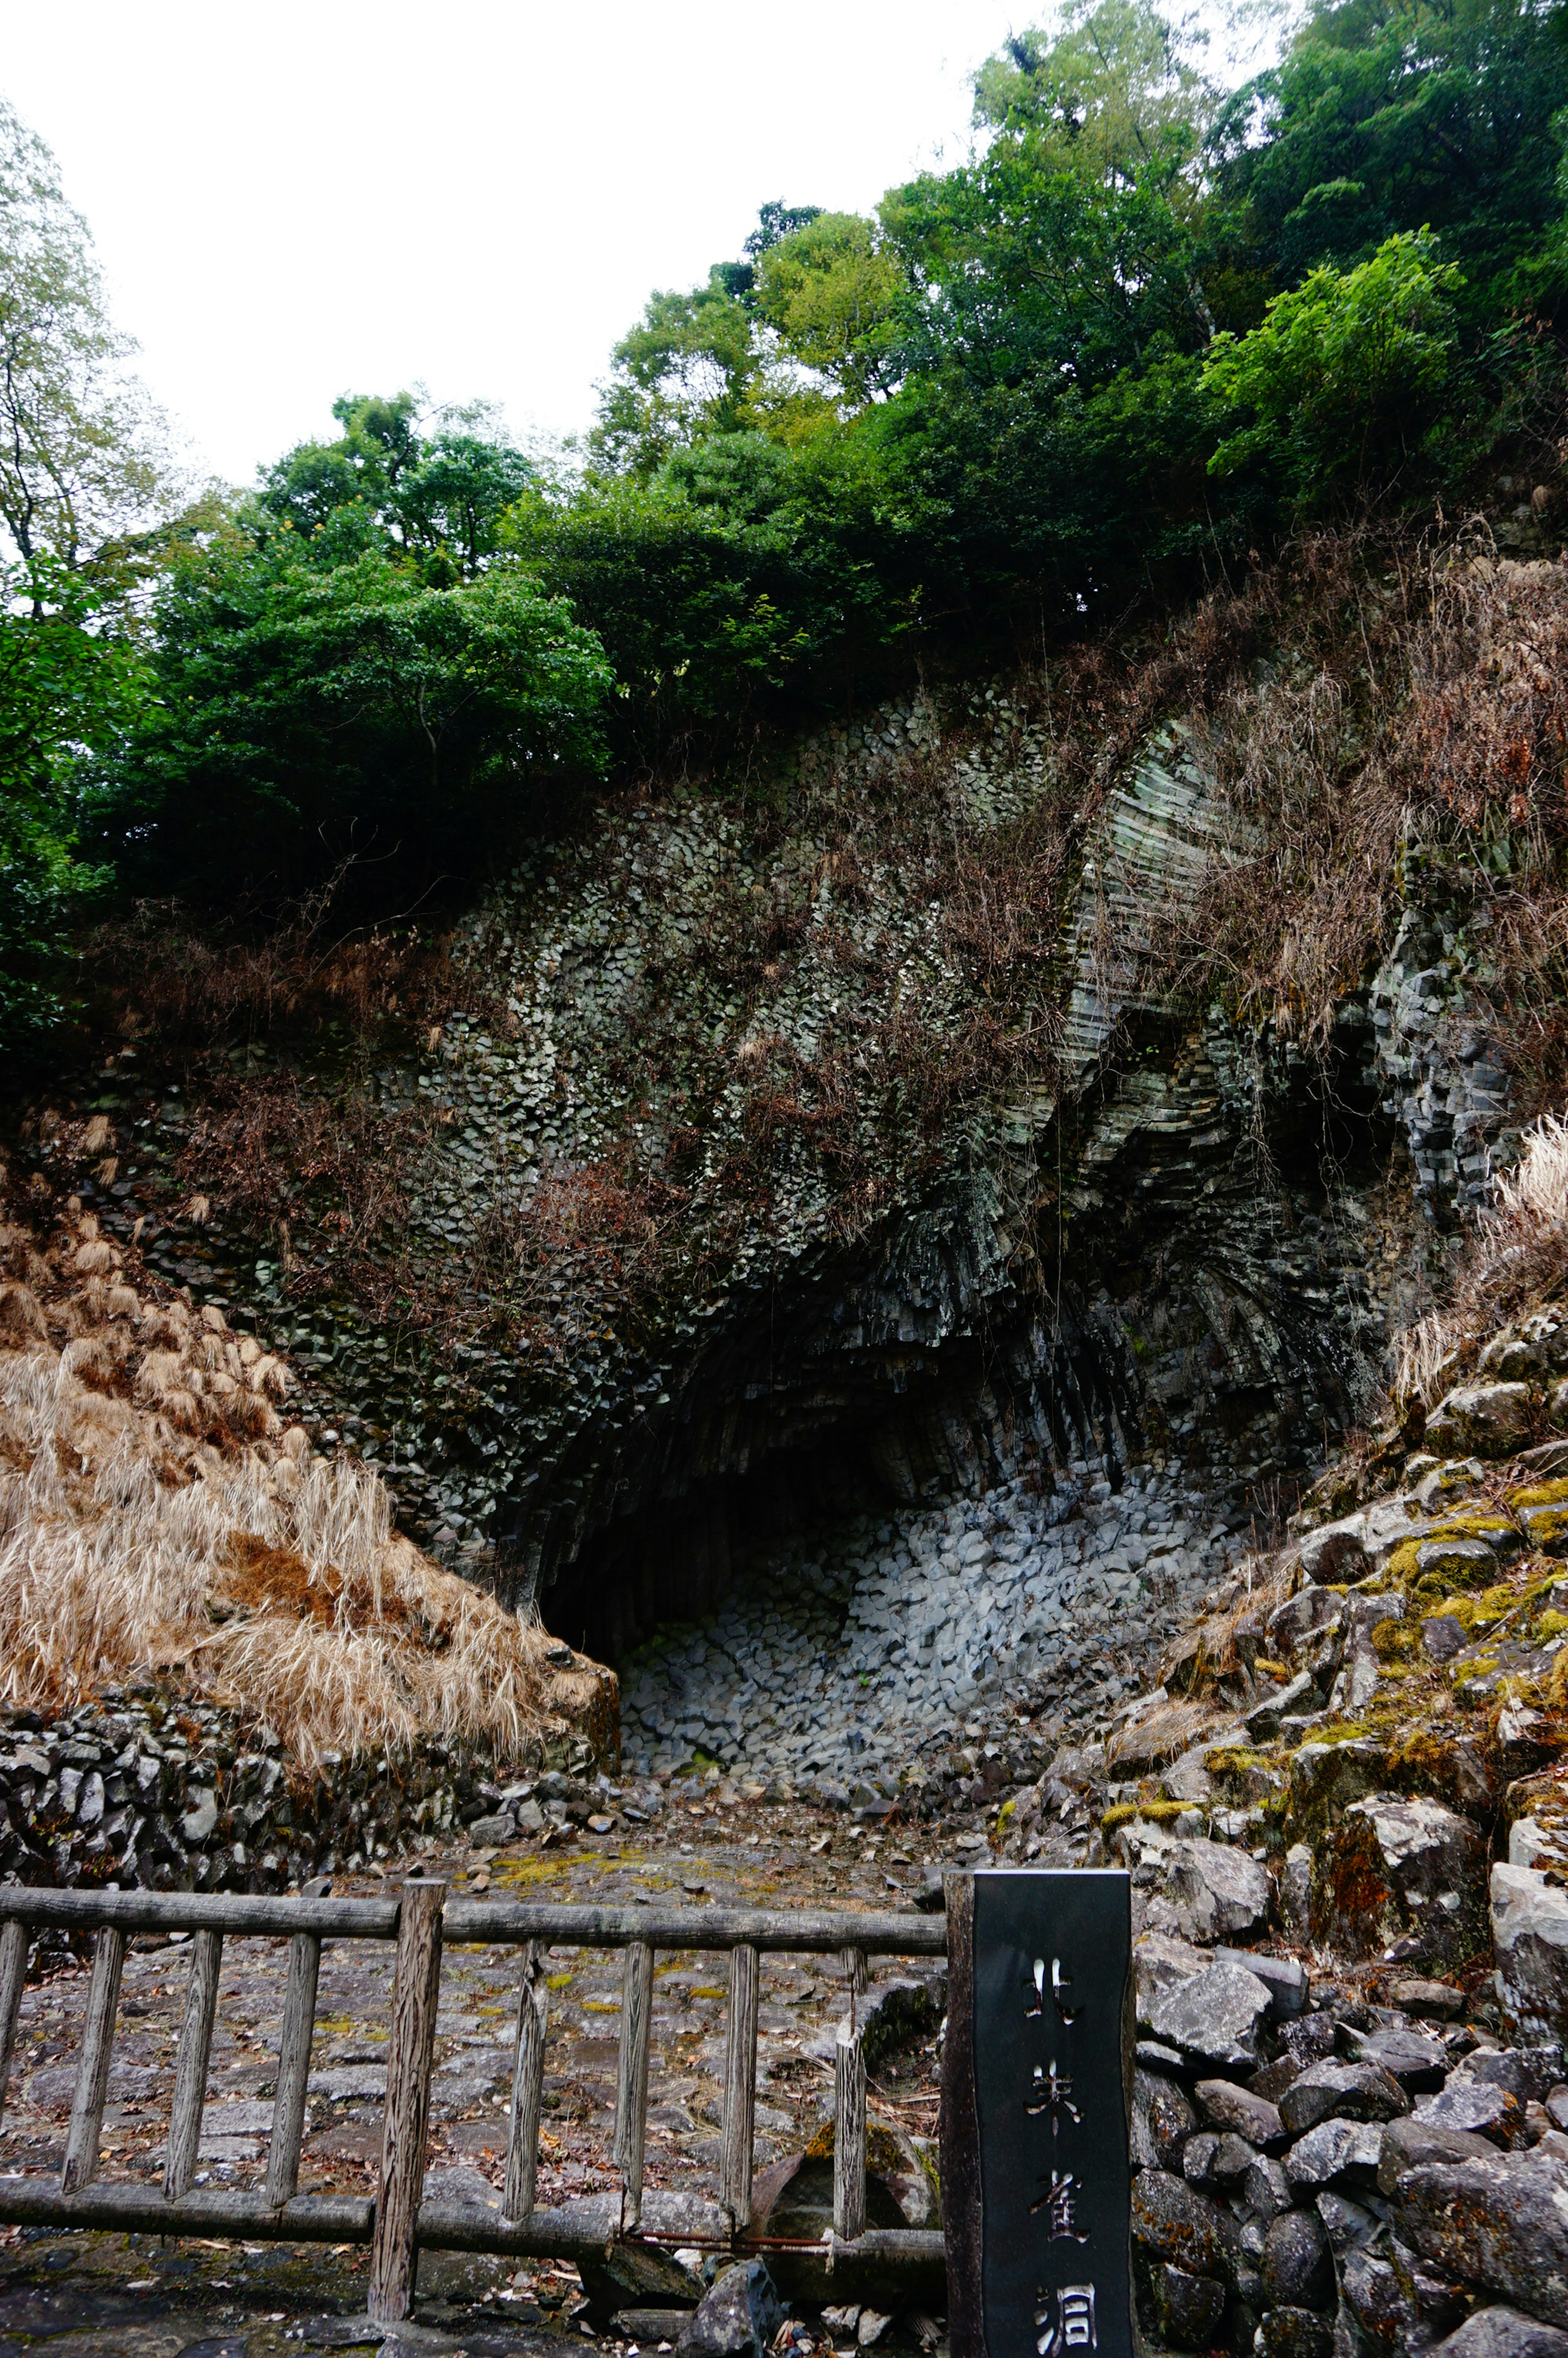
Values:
[(860, 1135)]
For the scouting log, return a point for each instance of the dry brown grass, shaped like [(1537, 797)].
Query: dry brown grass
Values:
[(1516, 1258), (155, 1516)]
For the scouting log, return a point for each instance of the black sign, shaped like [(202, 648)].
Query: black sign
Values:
[(1036, 2094)]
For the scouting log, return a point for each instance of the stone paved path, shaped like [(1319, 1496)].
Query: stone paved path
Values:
[(109, 2294)]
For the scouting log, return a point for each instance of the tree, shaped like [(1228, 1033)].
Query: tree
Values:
[(81, 465), (306, 706), (1343, 379), (831, 290)]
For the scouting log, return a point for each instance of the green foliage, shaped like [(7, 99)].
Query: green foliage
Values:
[(1347, 374), (68, 694), (320, 693)]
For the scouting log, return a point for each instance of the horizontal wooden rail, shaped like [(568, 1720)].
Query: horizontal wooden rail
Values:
[(199, 1911), (799, 1931), (148, 2211)]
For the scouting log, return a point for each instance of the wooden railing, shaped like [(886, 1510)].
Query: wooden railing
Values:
[(398, 2220)]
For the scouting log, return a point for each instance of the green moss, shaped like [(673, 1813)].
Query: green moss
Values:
[(1391, 1641), (1552, 1624), (1539, 1494), (1159, 1814)]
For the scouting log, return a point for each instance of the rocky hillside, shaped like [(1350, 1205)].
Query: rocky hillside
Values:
[(1345, 1810)]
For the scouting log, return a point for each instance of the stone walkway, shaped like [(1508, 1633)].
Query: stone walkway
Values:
[(845, 1657), (112, 2294)]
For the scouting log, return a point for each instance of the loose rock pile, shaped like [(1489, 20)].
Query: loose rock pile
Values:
[(1345, 1809), (846, 1658)]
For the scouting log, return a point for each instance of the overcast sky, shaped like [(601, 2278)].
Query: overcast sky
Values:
[(292, 201)]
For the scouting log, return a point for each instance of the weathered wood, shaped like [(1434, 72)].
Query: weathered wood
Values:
[(13, 1980), (852, 1965), (199, 1911), (740, 2085), (92, 2069), (190, 2065), (144, 2211), (527, 2083), (849, 2134), (632, 2085), (959, 2130), (801, 1932), (586, 2227), (410, 2051), (293, 2067), (776, 1931)]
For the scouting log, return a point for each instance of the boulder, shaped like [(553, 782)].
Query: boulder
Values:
[(1436, 2001), (1267, 2189), (1162, 2120), (1482, 1421), (736, 2318), (1162, 1963), (1499, 2333), (1479, 2111), (1412, 2142), (1396, 1867), (1326, 1777), (1335, 1551), (1335, 2153), (1187, 2308), (1418, 2061), (1310, 1613), (1457, 1563), (1212, 1892), (1216, 2018), (1226, 2106), (1501, 2223), (1345, 2092), (1298, 2266), (629, 2273), (1171, 2221), (1530, 1937), (1527, 2073)]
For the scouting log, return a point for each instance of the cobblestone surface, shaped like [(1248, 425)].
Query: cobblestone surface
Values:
[(849, 1655)]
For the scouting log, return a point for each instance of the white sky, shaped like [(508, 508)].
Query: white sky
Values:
[(292, 201)]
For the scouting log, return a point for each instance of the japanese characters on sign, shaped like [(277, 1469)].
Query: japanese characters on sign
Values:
[(1052, 1956)]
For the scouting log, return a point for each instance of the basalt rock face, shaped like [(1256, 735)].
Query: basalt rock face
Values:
[(1187, 1243)]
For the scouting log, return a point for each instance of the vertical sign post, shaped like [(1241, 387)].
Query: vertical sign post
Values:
[(1036, 2113)]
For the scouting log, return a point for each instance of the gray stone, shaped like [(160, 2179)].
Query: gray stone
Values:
[(1214, 1891), (1439, 2000), (1310, 1613), (1481, 1420), (1346, 2224), (1335, 1551), (1335, 2153), (1501, 2223), (1293, 2334), (1197, 2157), (1267, 2189), (1471, 2105), (736, 2318), (1530, 1937), (1412, 2142), (201, 1820), (1188, 2308), (1162, 2121), (1527, 2073), (1345, 2092), (1499, 2333), (1216, 2018), (1285, 1978), (1226, 2106), (499, 1827), (1442, 1637), (1298, 2266), (1417, 2061), (1173, 2221)]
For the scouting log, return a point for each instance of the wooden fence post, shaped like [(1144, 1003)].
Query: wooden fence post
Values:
[(849, 2135), (740, 2087), (411, 2048), (92, 2071), (631, 2086), (293, 2067), (527, 2084), (191, 2066), (13, 1980)]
